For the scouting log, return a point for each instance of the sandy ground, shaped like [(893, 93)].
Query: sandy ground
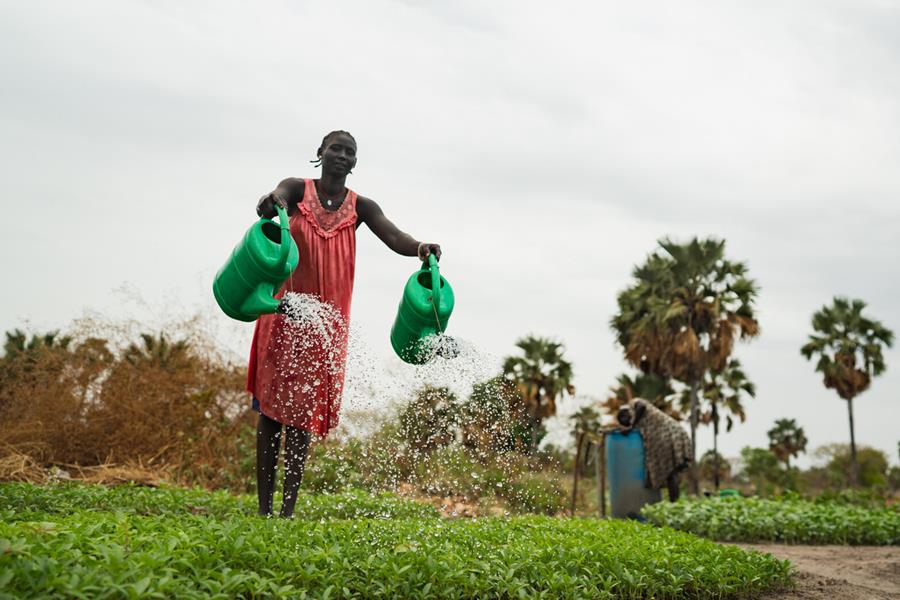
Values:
[(839, 572)]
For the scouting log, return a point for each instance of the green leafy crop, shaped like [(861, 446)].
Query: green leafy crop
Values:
[(792, 521), (90, 542)]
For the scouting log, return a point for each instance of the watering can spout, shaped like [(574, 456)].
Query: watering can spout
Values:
[(285, 249), (435, 282)]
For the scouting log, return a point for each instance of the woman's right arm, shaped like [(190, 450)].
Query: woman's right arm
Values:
[(288, 194)]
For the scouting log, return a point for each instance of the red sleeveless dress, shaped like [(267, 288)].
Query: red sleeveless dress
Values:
[(297, 383)]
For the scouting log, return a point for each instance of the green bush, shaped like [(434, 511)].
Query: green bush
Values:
[(452, 471), (764, 471), (430, 420), (80, 550), (873, 465), (866, 498), (332, 468), (376, 463), (791, 521), (533, 493)]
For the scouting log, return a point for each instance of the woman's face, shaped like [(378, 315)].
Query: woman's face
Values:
[(339, 155)]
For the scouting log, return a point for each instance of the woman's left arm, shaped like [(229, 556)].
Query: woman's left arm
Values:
[(402, 243)]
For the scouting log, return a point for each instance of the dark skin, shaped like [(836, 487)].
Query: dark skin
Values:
[(338, 159)]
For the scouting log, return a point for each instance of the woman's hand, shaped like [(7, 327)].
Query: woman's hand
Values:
[(427, 248), (266, 205)]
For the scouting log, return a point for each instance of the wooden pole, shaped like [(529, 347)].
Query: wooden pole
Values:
[(575, 482), (601, 474)]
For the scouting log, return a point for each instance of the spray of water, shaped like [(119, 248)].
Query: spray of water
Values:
[(377, 393)]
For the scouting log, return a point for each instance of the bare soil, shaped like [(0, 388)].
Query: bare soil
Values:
[(838, 572)]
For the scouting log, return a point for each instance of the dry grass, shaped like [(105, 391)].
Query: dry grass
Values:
[(19, 466), (103, 409)]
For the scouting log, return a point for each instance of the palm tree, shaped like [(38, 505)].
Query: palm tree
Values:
[(541, 375), (647, 386), (493, 417), (157, 350), (429, 421), (681, 316), (713, 465), (849, 347), (723, 390), (787, 439), (17, 342), (585, 422)]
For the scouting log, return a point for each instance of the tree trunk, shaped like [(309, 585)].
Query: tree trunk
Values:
[(695, 418), (575, 470), (600, 467), (535, 423), (715, 446), (854, 465)]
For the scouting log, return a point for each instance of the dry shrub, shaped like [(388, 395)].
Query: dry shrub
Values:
[(19, 466), (137, 403)]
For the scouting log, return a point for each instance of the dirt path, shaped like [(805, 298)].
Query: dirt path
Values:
[(839, 572)]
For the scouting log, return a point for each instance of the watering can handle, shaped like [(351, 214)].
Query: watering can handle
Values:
[(285, 231), (435, 281)]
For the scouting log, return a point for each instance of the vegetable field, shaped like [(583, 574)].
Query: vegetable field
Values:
[(792, 521), (128, 542)]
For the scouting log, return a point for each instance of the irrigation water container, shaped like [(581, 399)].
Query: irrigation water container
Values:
[(626, 472)]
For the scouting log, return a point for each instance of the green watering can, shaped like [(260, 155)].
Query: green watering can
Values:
[(245, 285), (424, 310)]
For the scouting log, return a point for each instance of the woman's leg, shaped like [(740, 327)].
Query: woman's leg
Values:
[(268, 442), (672, 484), (296, 445)]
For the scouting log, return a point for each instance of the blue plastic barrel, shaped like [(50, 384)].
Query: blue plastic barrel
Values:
[(626, 473)]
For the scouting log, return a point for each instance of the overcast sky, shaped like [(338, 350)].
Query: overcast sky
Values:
[(546, 146)]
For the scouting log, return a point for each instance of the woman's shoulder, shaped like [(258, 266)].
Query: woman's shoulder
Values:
[(294, 186), (366, 207)]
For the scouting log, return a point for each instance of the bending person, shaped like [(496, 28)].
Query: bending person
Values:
[(667, 446)]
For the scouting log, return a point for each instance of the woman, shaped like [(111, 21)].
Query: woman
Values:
[(300, 387), (667, 446)]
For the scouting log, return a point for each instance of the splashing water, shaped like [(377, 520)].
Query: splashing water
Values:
[(305, 311), (374, 387), (395, 414), (438, 345)]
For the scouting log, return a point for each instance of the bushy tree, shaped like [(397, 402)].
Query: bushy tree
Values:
[(651, 387), (430, 420), (712, 465), (494, 419), (76, 401), (542, 375), (849, 346), (761, 468), (157, 350), (680, 317), (586, 423), (871, 465), (722, 392), (787, 439)]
